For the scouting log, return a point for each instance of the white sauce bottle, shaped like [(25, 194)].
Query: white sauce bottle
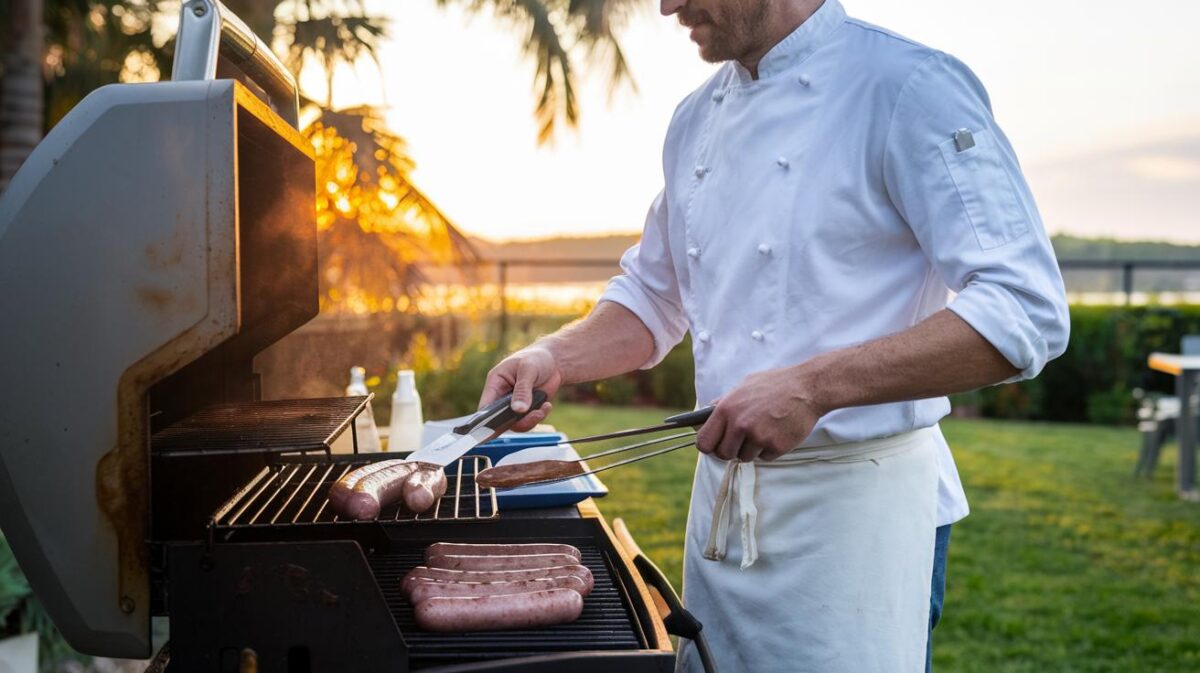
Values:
[(405, 433)]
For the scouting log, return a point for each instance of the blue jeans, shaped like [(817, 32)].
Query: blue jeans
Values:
[(937, 591)]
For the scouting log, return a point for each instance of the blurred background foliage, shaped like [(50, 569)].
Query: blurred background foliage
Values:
[(1094, 379)]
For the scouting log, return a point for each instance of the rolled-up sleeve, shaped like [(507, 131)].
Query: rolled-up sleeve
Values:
[(954, 177), (648, 286)]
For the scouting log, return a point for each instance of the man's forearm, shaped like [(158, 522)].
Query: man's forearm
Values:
[(610, 341), (939, 356)]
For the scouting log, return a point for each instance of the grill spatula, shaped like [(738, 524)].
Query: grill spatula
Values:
[(489, 422)]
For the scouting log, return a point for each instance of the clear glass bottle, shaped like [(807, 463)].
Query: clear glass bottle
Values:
[(405, 432), (364, 423)]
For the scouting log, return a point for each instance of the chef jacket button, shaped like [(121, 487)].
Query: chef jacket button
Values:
[(782, 161), (700, 171), (804, 80), (764, 249), (693, 252), (703, 336), (756, 335), (718, 95)]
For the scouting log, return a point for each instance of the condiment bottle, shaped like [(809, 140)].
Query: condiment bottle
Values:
[(364, 423), (405, 433)]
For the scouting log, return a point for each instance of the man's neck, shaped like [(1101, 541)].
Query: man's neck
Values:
[(783, 18)]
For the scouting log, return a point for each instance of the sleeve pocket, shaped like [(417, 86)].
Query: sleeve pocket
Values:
[(991, 200)]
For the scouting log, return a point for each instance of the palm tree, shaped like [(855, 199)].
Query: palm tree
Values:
[(376, 228), (21, 85), (340, 31)]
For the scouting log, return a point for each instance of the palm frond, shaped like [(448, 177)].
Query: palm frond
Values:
[(87, 44), (554, 31), (598, 22), (376, 227)]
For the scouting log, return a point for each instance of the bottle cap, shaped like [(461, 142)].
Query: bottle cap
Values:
[(358, 382), (406, 386)]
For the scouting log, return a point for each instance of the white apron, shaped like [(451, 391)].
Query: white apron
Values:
[(825, 558)]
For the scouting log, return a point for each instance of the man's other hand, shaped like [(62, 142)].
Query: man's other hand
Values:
[(767, 415), (520, 373)]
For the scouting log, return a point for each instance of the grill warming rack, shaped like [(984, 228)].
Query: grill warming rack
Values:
[(270, 427), (293, 492)]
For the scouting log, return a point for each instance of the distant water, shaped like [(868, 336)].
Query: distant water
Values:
[(1136, 298), (578, 297)]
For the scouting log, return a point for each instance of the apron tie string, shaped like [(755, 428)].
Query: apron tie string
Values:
[(738, 482)]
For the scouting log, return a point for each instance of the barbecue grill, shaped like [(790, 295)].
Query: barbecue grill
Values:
[(157, 240)]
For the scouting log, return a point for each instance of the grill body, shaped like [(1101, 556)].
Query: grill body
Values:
[(345, 610)]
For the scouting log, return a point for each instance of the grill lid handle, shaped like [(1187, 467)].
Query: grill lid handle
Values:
[(207, 29)]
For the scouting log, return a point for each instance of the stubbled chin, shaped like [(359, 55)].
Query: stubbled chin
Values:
[(707, 54), (703, 36), (710, 53)]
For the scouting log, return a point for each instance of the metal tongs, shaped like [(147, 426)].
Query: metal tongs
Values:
[(539, 472)]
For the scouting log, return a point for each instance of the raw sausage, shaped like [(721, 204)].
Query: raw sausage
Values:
[(424, 574), (425, 590), (496, 562), (424, 487), (342, 488), (379, 488), (457, 549), (510, 611)]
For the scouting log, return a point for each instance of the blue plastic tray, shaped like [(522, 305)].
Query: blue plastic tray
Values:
[(548, 495)]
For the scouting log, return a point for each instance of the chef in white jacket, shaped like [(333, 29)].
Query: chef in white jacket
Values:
[(847, 235)]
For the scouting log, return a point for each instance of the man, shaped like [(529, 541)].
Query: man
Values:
[(824, 190)]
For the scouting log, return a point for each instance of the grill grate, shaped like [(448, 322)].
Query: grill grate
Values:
[(605, 624), (294, 492), (276, 426)]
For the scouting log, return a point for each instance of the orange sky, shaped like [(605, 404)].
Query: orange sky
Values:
[(1100, 98)]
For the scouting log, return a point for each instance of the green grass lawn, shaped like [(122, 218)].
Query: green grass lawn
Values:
[(1066, 563)]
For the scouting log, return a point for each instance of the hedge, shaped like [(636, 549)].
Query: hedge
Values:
[(1105, 360)]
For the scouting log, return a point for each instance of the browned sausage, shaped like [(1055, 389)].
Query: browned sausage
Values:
[(425, 590), (424, 487), (457, 549), (425, 574), (518, 474), (341, 489), (510, 611), (373, 491), (496, 562)]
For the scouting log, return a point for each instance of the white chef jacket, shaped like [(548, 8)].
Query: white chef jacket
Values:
[(830, 202)]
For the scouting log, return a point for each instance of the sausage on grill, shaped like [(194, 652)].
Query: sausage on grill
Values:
[(376, 489), (426, 590), (422, 574), (459, 549), (498, 562), (510, 611), (343, 487), (424, 487)]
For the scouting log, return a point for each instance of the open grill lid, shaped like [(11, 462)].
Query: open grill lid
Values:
[(158, 226)]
